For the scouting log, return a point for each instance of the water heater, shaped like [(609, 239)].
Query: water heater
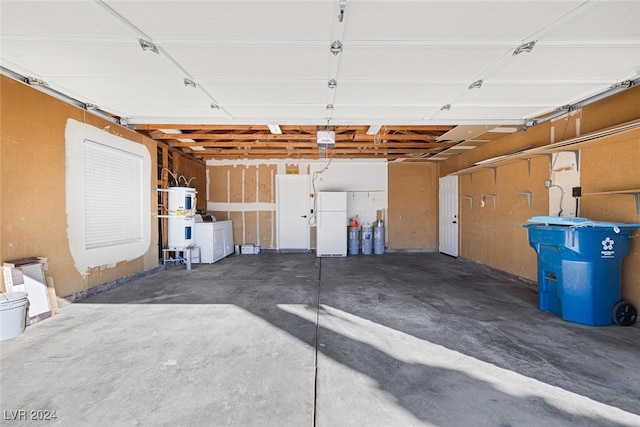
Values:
[(182, 217)]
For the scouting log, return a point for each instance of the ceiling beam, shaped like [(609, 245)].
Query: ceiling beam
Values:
[(290, 137), (262, 144)]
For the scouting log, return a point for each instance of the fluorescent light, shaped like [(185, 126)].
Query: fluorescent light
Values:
[(504, 130), (275, 129), (462, 147), (373, 129), (197, 148), (438, 158)]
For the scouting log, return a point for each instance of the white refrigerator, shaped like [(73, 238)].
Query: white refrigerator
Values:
[(331, 224)]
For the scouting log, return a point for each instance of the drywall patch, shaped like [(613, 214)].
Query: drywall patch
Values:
[(85, 256)]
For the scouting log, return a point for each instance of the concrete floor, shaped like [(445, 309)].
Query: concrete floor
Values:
[(411, 339)]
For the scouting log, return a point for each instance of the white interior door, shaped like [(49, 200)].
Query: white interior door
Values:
[(448, 243), (292, 209)]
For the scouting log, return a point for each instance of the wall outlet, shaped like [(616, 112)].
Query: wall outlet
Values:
[(576, 191)]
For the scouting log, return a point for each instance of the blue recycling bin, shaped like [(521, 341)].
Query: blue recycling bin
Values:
[(579, 263)]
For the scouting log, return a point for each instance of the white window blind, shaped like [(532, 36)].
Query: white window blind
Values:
[(113, 196)]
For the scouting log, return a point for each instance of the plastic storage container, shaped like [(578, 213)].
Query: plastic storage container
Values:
[(13, 314), (579, 263)]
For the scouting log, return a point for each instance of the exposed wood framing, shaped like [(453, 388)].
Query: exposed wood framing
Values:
[(297, 142)]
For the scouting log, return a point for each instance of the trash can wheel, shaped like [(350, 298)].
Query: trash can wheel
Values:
[(624, 313)]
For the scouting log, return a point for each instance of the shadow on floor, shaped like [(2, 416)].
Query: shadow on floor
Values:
[(466, 308)]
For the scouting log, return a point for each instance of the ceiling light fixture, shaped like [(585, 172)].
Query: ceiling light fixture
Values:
[(188, 82), (275, 129), (525, 47), (329, 107), (476, 85), (215, 106), (503, 130), (445, 107), (147, 45), (333, 84), (373, 129), (336, 47)]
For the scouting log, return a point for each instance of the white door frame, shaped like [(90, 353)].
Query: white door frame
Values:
[(448, 215)]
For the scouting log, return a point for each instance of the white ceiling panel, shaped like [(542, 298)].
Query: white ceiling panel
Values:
[(506, 21), (253, 62), (571, 64), (139, 113), (293, 114), (460, 114), (230, 20), (426, 63), (266, 92), (270, 61), (52, 60), (54, 19), (607, 21), (529, 93), (136, 91), (371, 92)]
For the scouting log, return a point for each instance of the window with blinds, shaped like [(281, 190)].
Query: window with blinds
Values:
[(113, 196)]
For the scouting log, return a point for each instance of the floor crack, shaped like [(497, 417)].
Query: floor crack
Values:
[(315, 356)]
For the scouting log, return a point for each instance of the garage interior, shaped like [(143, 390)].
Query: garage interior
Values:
[(515, 103)]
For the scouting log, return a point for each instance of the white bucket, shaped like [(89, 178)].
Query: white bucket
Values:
[(13, 314)]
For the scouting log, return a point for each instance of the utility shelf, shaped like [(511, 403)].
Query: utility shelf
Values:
[(492, 197), (635, 193), (470, 199), (606, 136), (527, 194)]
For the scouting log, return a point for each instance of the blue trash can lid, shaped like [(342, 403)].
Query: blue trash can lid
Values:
[(577, 222)]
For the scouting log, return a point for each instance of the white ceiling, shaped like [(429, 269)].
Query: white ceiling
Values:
[(268, 62)]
